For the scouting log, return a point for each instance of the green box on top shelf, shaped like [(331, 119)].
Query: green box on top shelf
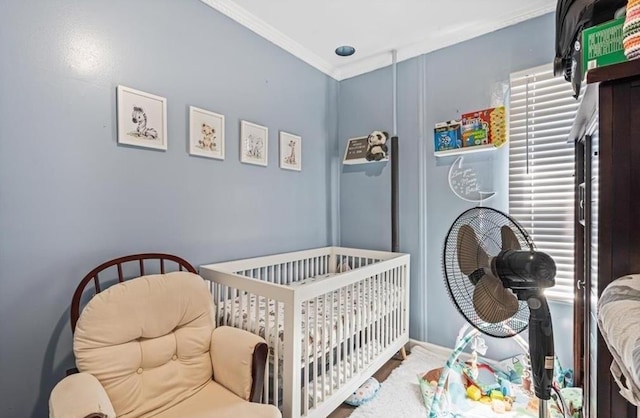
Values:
[(602, 45)]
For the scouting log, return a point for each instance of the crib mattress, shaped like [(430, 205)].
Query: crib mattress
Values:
[(326, 321)]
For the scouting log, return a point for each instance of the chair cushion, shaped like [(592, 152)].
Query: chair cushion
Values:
[(147, 341), (214, 401)]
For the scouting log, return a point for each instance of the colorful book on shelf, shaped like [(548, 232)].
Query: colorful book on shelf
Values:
[(484, 127), (447, 136)]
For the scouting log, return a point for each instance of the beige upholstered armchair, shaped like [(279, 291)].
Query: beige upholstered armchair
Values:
[(147, 347)]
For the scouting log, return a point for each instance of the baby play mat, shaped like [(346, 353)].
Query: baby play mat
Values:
[(399, 394)]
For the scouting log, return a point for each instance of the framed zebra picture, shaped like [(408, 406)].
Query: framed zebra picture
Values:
[(290, 151), (142, 119)]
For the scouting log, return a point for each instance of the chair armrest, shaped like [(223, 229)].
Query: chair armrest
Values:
[(239, 358), (80, 396)]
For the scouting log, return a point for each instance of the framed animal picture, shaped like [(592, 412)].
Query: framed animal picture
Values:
[(254, 141), (290, 151), (142, 118), (206, 133)]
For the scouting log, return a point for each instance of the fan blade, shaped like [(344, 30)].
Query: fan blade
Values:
[(471, 256), (492, 301), (509, 239)]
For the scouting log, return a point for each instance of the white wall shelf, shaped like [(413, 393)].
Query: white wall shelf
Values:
[(463, 151)]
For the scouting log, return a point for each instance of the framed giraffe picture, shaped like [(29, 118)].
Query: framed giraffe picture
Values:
[(290, 151), (142, 119)]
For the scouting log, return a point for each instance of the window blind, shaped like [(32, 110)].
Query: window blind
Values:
[(541, 168)]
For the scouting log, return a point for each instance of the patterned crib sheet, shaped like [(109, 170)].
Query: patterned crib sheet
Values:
[(618, 313), (326, 320)]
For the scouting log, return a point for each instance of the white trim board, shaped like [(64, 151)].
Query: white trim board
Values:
[(250, 21), (234, 11)]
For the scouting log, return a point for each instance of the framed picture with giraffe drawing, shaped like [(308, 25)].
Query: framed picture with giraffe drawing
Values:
[(142, 119), (290, 151)]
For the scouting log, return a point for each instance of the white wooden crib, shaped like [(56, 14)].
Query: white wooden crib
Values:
[(331, 317)]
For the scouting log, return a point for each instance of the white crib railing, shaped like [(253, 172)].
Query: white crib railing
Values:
[(327, 329)]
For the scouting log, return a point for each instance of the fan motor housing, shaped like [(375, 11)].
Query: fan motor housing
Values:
[(524, 270)]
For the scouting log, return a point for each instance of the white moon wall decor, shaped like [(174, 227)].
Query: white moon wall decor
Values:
[(464, 183)]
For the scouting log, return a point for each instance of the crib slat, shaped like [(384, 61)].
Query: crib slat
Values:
[(339, 327), (241, 310), (368, 313), (383, 308), (358, 325), (394, 305), (305, 350), (267, 337), (404, 300), (371, 313), (256, 313), (265, 387), (378, 312), (345, 335), (315, 352), (276, 355), (332, 323), (323, 345)]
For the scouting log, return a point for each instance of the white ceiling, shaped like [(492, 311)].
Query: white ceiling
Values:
[(311, 30)]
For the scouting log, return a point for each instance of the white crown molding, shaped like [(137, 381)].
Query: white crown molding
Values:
[(232, 10), (372, 62), (406, 52)]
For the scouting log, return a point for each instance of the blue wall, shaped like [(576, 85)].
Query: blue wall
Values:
[(468, 76), (70, 197)]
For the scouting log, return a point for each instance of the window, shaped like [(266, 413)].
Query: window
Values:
[(541, 167)]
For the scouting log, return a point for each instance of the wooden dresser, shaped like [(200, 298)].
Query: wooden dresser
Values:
[(606, 135)]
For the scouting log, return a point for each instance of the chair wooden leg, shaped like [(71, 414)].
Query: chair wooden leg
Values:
[(403, 353)]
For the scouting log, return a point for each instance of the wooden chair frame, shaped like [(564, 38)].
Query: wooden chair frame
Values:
[(139, 258)]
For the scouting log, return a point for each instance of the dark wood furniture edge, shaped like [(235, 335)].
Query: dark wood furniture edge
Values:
[(93, 275), (614, 72), (258, 365)]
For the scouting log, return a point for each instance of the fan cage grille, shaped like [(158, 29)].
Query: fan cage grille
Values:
[(487, 223)]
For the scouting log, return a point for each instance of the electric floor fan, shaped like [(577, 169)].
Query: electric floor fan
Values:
[(496, 278)]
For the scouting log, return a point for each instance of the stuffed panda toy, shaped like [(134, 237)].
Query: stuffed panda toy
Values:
[(377, 146)]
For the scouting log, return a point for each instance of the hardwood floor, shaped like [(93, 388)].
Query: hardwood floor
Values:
[(345, 410)]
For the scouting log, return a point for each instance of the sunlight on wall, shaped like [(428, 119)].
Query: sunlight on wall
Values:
[(85, 53)]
